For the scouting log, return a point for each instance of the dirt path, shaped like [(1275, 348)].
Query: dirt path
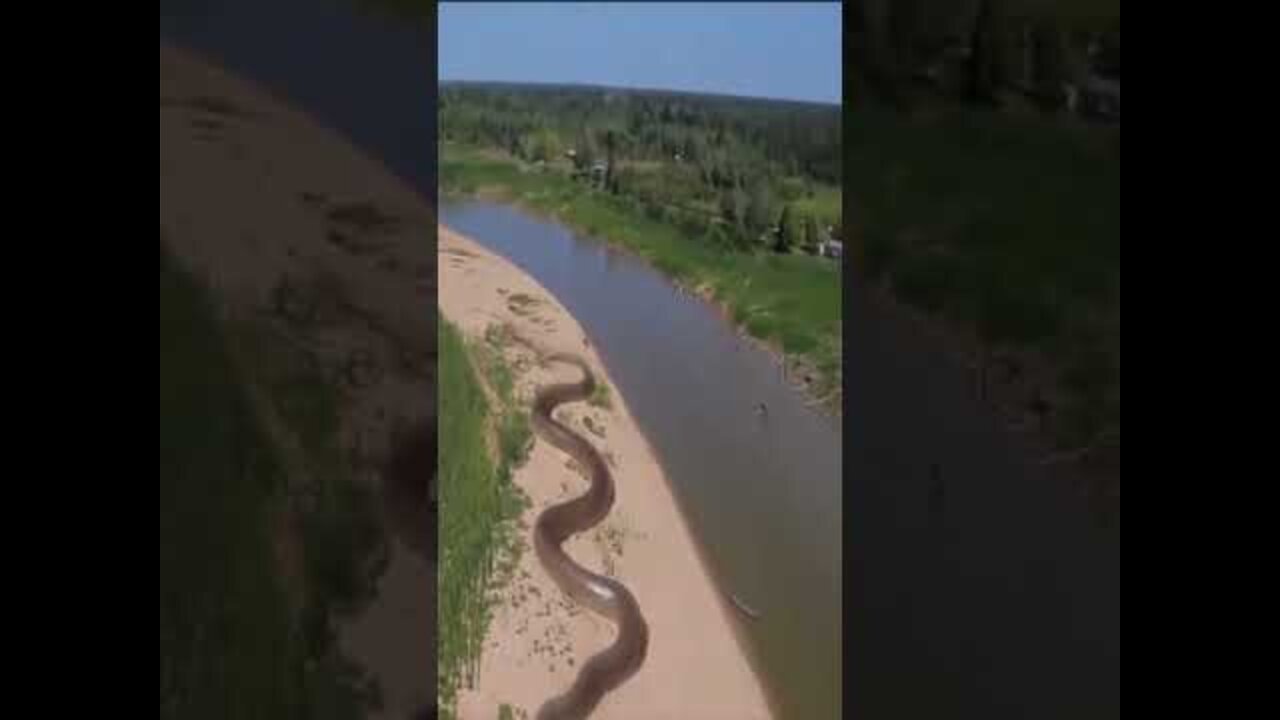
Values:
[(303, 238), (538, 640)]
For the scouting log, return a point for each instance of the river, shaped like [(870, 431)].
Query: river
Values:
[(998, 598), (761, 493), (1005, 606)]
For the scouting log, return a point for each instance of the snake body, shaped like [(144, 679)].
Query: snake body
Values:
[(606, 597)]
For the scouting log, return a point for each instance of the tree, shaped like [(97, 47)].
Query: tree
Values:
[(787, 235), (706, 172), (695, 149), (610, 143), (740, 205), (760, 209), (988, 63), (904, 24), (872, 49), (585, 153), (1108, 60), (1049, 61), (545, 146), (728, 209), (810, 234)]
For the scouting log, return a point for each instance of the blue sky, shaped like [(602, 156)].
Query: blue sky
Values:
[(777, 50)]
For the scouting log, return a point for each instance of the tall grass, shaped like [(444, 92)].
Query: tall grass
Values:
[(792, 302), (483, 437)]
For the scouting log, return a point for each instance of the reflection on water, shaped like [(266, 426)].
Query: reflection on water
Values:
[(1001, 607), (762, 496)]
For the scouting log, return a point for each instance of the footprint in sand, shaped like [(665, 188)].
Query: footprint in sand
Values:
[(523, 305), (593, 426)]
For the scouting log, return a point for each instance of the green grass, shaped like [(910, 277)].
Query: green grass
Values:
[(231, 642), (1008, 225), (789, 301), (600, 396), (483, 437), (344, 542)]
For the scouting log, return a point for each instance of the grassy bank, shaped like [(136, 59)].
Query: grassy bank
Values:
[(484, 436), (245, 632), (791, 302), (1005, 224)]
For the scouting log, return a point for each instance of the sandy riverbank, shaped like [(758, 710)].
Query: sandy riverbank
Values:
[(309, 242), (537, 640)]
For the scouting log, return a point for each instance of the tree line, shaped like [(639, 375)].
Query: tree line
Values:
[(738, 172), (977, 49)]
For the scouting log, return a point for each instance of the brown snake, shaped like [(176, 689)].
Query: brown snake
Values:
[(604, 596)]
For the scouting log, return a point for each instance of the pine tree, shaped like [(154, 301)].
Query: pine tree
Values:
[(760, 209), (786, 229), (810, 234), (609, 144)]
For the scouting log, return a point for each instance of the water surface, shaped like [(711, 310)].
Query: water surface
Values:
[(761, 494)]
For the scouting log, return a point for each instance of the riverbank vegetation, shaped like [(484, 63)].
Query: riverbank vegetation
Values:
[(984, 193), (733, 197), (484, 436), (980, 196), (254, 565), (791, 301), (737, 172)]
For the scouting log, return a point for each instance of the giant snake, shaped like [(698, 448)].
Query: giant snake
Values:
[(615, 665)]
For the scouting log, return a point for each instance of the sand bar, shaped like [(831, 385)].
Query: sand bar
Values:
[(696, 669)]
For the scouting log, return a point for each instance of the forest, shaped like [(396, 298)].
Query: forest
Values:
[(977, 154), (740, 173), (996, 53)]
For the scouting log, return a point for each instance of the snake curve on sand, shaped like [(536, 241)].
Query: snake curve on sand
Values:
[(606, 597)]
